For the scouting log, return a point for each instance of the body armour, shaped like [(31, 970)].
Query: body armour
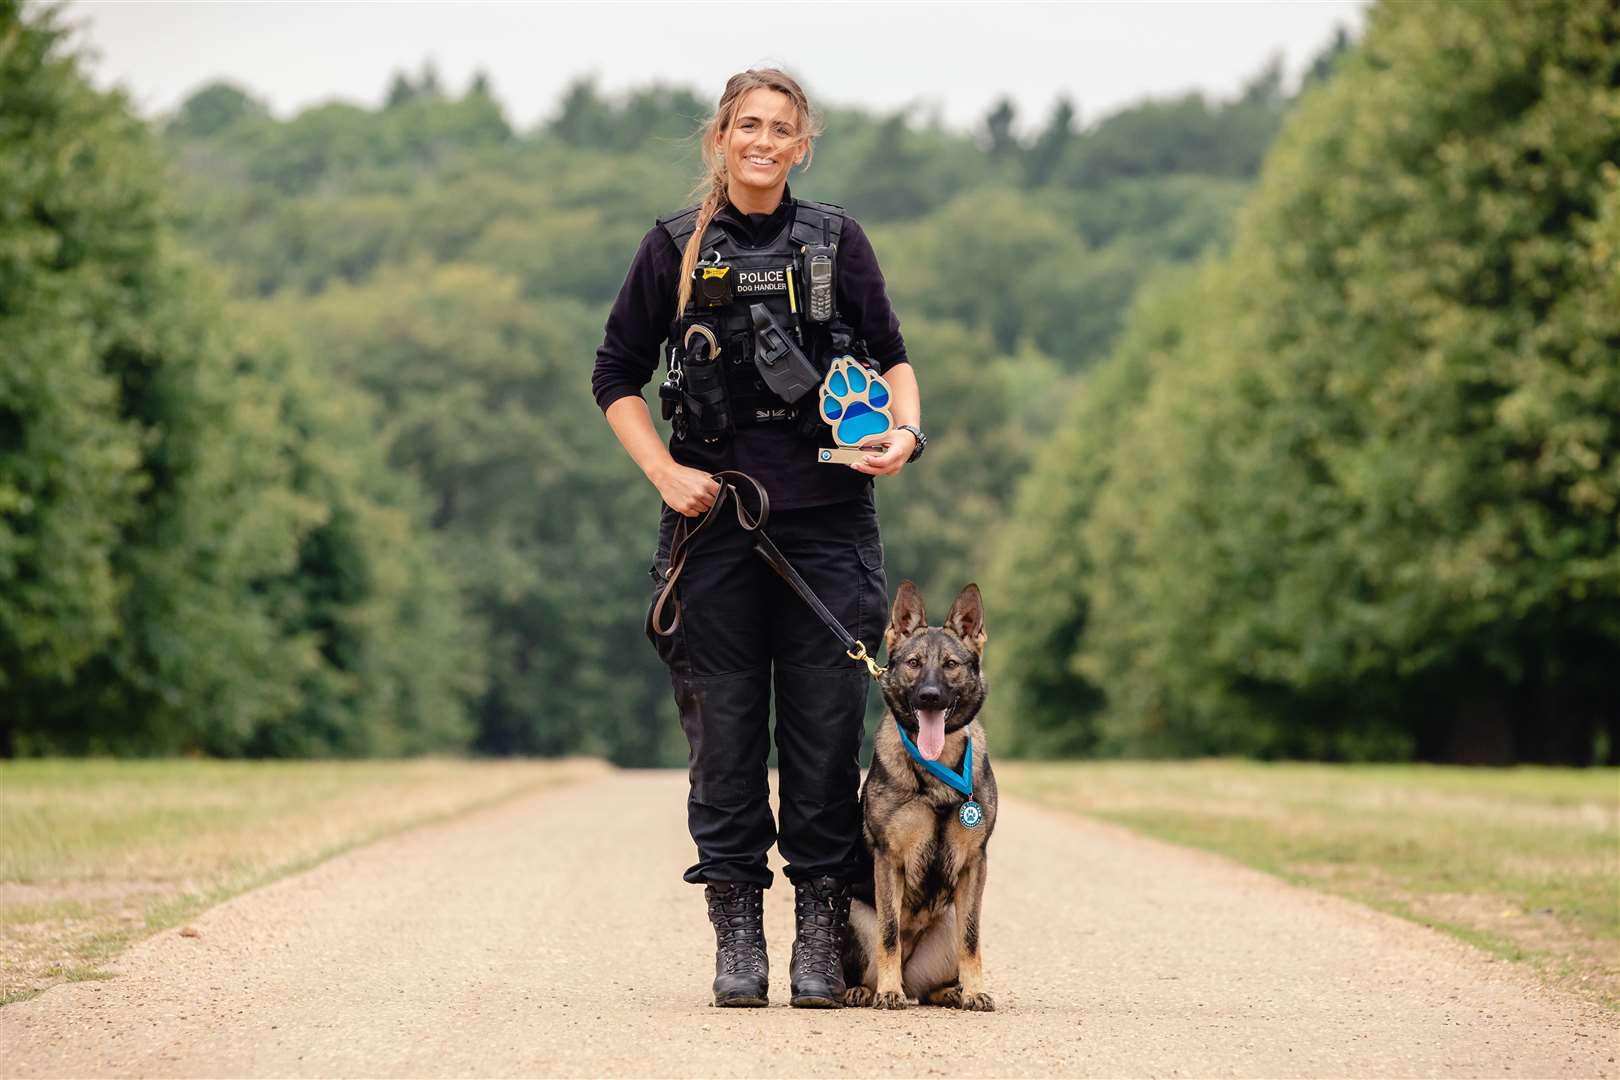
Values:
[(773, 276)]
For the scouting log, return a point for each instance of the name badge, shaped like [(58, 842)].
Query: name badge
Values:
[(762, 282)]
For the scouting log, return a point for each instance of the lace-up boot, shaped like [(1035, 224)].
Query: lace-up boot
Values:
[(821, 912), (741, 970)]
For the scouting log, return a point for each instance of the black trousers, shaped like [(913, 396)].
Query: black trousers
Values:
[(744, 634)]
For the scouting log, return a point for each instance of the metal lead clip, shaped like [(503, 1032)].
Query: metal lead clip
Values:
[(858, 654)]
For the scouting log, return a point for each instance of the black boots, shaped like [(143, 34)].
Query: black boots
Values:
[(741, 971), (821, 911)]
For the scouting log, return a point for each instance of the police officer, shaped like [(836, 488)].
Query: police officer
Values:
[(719, 286)]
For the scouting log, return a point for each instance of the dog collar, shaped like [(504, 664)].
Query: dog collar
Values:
[(962, 782)]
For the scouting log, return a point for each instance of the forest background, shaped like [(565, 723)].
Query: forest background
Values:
[(1282, 426)]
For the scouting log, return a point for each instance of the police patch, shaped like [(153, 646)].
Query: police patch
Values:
[(761, 282)]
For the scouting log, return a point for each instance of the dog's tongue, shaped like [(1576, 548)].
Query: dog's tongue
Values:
[(931, 732)]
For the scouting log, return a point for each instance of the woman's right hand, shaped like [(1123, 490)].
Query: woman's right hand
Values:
[(686, 490)]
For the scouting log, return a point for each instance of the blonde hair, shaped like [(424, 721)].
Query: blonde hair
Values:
[(713, 185)]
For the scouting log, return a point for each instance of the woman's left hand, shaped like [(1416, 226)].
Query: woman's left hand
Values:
[(888, 462)]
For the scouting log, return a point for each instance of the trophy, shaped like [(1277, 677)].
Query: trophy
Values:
[(855, 404)]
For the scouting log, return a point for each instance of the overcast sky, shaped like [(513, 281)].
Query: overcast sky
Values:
[(953, 58)]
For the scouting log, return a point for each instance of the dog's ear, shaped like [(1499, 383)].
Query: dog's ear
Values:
[(907, 616), (966, 618)]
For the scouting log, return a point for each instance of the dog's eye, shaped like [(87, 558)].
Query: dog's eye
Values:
[(952, 664), (914, 663)]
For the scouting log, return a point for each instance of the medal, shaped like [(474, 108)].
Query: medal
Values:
[(970, 814)]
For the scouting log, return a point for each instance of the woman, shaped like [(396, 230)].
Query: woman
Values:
[(750, 245)]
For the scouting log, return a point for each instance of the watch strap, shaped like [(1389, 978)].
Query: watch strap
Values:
[(922, 440)]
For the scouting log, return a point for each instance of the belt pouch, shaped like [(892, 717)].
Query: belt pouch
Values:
[(703, 384)]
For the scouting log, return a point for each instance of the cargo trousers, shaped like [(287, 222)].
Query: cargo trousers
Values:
[(745, 639)]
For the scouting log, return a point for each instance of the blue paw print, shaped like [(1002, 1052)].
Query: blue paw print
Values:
[(855, 402)]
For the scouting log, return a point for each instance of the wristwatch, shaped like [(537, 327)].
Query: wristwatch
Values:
[(922, 440)]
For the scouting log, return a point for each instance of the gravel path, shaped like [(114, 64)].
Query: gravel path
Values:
[(552, 936)]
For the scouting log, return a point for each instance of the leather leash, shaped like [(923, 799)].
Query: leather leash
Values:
[(685, 534)]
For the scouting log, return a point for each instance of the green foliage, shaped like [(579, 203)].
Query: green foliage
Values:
[(370, 589), (464, 294), (159, 500), (326, 145), (1187, 135), (371, 507), (213, 109), (891, 168), (72, 219), (1049, 148), (652, 113), (1047, 704), (1023, 267), (480, 397), (1368, 506), (996, 406)]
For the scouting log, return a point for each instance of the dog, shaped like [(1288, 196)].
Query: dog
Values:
[(916, 932)]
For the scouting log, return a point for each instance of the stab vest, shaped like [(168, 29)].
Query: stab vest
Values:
[(761, 278)]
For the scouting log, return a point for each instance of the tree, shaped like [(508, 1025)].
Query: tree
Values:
[(78, 235), (165, 495), (1043, 156), (213, 109), (1044, 569), (1326, 62), (1373, 514), (400, 91), (1265, 87), (1000, 140)]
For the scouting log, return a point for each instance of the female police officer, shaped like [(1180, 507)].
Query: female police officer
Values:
[(749, 245)]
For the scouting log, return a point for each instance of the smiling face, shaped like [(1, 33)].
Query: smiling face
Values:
[(763, 141)]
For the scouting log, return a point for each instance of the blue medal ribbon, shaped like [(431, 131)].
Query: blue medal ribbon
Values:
[(962, 782)]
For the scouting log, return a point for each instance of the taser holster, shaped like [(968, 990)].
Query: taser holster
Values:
[(781, 363)]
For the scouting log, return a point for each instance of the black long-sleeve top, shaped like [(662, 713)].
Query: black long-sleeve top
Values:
[(772, 453)]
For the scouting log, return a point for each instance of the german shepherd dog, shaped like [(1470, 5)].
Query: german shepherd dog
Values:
[(916, 933)]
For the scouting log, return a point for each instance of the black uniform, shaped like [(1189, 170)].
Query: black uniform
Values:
[(740, 623)]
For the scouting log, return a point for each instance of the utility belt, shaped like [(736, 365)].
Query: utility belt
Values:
[(746, 352)]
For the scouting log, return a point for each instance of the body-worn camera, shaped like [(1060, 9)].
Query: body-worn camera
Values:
[(713, 286)]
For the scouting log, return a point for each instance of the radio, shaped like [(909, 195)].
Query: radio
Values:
[(818, 273)]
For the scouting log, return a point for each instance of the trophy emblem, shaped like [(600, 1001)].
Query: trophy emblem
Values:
[(854, 402)]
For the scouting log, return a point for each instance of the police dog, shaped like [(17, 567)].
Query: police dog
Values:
[(916, 933)]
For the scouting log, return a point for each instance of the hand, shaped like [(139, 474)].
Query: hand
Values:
[(686, 490), (887, 462)]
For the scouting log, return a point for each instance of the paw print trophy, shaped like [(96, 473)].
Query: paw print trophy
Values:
[(855, 403)]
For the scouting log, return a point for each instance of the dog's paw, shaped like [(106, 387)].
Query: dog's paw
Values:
[(855, 402), (858, 995), (949, 997), (978, 1003), (889, 999)]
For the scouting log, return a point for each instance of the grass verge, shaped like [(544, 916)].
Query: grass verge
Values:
[(98, 854), (1522, 862)]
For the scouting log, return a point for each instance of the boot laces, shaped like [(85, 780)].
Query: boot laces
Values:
[(739, 930), (822, 914)]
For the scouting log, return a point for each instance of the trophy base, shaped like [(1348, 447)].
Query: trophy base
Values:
[(842, 455)]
